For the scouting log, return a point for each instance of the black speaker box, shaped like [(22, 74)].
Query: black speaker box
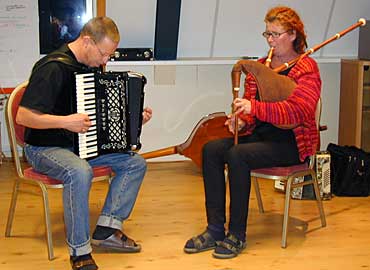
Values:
[(132, 54), (364, 42), (167, 29)]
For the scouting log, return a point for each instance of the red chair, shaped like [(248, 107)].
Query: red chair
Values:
[(287, 176), (28, 175)]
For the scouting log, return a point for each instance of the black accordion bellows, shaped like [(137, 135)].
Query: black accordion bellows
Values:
[(114, 102)]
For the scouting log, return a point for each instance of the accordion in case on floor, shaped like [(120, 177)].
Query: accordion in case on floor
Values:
[(322, 167)]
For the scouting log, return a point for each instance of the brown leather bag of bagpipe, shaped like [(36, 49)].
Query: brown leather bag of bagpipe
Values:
[(272, 87)]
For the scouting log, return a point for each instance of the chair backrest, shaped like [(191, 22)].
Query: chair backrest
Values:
[(15, 131), (317, 119), (12, 109)]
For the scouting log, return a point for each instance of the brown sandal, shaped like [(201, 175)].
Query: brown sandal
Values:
[(118, 242), (87, 264)]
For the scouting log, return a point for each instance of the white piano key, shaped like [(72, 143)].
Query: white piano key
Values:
[(86, 106), (90, 138), (90, 112), (89, 90), (85, 83), (86, 97), (87, 144), (92, 149), (84, 155)]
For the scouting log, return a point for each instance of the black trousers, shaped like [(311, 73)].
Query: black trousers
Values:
[(268, 146)]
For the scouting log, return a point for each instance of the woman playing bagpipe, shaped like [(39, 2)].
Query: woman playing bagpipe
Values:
[(272, 132), (273, 125)]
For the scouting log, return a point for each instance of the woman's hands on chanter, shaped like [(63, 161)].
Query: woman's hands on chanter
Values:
[(241, 105)]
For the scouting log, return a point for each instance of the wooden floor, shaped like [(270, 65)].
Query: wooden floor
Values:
[(170, 209)]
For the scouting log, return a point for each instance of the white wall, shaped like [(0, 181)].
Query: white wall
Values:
[(19, 40), (232, 28)]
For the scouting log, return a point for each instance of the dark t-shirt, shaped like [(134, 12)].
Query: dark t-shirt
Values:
[(50, 91)]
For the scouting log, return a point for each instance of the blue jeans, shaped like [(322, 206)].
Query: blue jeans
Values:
[(76, 174)]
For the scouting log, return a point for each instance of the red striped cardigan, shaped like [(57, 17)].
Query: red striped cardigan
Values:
[(299, 108)]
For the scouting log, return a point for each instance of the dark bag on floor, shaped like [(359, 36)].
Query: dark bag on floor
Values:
[(349, 170)]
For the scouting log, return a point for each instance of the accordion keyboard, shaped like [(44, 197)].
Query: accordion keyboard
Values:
[(86, 103)]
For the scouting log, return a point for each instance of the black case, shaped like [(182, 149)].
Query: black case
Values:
[(364, 42), (132, 54)]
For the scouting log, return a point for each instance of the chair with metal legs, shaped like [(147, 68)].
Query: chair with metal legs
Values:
[(28, 176), (287, 175)]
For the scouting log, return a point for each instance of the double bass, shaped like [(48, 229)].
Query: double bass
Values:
[(272, 87)]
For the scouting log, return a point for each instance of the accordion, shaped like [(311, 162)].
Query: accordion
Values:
[(114, 103)]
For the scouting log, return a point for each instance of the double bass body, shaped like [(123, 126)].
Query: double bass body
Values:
[(209, 128)]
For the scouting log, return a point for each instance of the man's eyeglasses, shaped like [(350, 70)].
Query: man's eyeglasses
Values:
[(102, 54), (273, 34)]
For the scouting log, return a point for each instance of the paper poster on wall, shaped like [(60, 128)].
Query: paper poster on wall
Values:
[(18, 40)]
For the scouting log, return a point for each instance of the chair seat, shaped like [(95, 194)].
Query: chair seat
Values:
[(280, 171), (30, 173)]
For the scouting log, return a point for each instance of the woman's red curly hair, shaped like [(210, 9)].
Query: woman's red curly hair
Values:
[(290, 20)]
